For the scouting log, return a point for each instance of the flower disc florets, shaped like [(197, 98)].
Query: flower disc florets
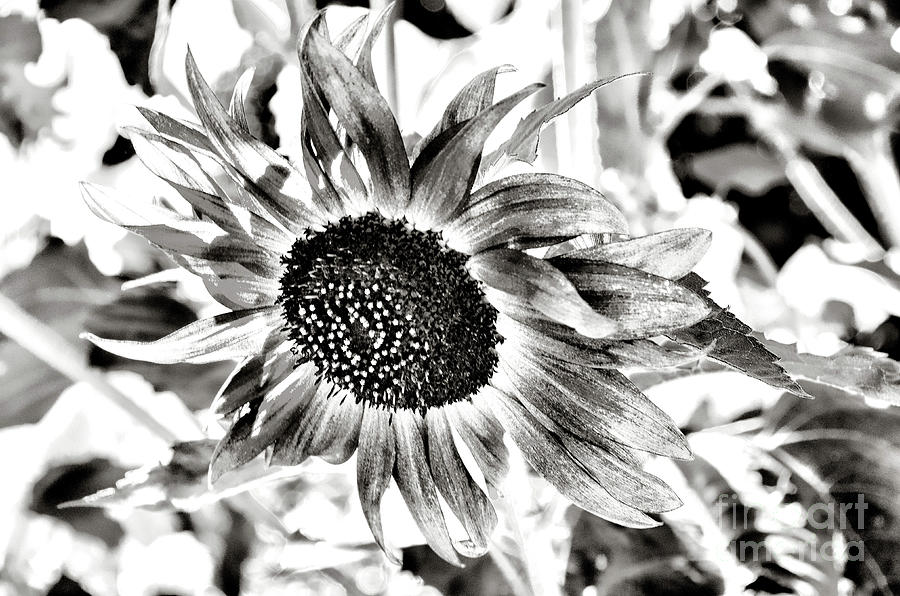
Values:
[(388, 313)]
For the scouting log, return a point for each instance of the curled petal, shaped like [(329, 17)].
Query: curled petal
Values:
[(239, 100), (412, 472), (288, 196), (477, 95), (642, 304), (552, 460), (374, 465), (222, 337), (670, 254), (442, 181), (470, 505), (364, 59), (531, 206), (537, 284), (365, 115), (523, 143)]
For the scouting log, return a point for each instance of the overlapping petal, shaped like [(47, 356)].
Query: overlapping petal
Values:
[(535, 283), (531, 206), (670, 254), (552, 460), (641, 304), (374, 467), (288, 195), (366, 117), (264, 420), (412, 473), (441, 180)]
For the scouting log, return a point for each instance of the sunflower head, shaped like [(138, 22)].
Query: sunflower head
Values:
[(392, 303)]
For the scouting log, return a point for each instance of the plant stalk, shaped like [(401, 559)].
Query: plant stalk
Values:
[(58, 353)]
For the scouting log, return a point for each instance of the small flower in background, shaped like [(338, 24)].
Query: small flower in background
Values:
[(383, 304)]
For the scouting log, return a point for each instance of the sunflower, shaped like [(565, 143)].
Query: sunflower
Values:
[(383, 303)]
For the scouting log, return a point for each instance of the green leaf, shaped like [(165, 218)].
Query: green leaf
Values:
[(728, 340)]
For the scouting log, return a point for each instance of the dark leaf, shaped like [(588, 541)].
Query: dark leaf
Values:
[(69, 482), (618, 560), (729, 341), (147, 315)]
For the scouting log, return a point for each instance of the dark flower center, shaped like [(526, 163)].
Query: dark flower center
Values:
[(388, 313)]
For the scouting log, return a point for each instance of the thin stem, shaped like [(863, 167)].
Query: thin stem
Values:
[(54, 350), (508, 571), (873, 163), (574, 62), (391, 51), (508, 514)]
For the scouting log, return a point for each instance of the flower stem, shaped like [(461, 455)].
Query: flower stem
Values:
[(58, 353), (391, 51)]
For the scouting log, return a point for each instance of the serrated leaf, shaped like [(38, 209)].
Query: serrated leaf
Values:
[(854, 369), (726, 339)]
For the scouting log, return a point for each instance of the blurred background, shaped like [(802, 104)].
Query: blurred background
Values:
[(772, 123)]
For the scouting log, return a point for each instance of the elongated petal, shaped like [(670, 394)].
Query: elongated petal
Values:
[(289, 196), (523, 143), (327, 161), (640, 303), (477, 95), (238, 189), (190, 134), (413, 475), (593, 404), (622, 479), (174, 163), (364, 59), (483, 435), (374, 466), (255, 375), (177, 235), (222, 337), (365, 115), (559, 341), (347, 38), (670, 254), (239, 100), (328, 426), (470, 505), (539, 285), (264, 423), (440, 185), (338, 435), (528, 206), (550, 458)]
